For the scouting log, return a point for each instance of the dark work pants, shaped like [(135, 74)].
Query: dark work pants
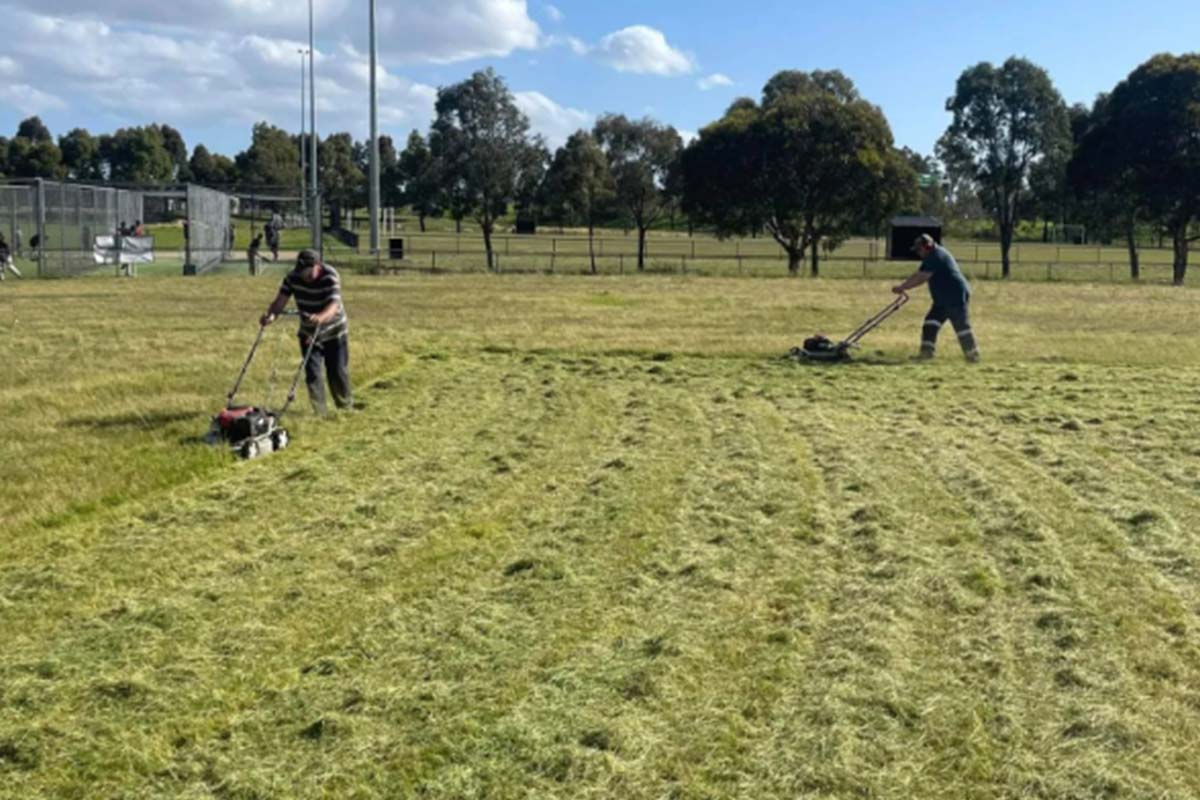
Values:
[(334, 355), (959, 317)]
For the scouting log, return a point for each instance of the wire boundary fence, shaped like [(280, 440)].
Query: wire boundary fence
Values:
[(54, 225), (209, 230), (550, 263)]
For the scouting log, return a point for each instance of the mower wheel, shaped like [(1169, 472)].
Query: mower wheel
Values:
[(279, 439), (249, 450)]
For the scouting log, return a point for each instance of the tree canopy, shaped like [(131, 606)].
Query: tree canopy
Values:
[(1007, 120), (1142, 148), (641, 155), (810, 164), (483, 147), (578, 186)]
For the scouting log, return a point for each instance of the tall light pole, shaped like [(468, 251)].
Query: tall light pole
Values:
[(303, 160), (374, 151), (315, 205)]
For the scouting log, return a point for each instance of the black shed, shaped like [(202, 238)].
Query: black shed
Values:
[(905, 230)]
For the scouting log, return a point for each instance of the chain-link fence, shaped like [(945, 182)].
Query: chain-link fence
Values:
[(208, 232), (52, 227)]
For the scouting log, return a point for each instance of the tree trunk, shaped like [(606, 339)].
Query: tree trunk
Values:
[(1045, 230), (591, 244), (1006, 237), (815, 271), (795, 259), (487, 242), (421, 221), (1180, 244), (641, 249), (1135, 271)]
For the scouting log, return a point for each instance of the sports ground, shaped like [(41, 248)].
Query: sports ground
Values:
[(595, 538)]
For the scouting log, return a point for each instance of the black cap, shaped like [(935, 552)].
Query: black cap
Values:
[(307, 258), (923, 239)]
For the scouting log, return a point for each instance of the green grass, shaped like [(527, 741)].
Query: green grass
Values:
[(594, 538)]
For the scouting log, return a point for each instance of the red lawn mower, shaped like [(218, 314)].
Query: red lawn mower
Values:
[(253, 431)]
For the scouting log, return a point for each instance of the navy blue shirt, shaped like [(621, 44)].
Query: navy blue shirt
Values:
[(947, 285)]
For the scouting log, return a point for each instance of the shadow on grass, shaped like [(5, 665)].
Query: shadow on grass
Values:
[(133, 420)]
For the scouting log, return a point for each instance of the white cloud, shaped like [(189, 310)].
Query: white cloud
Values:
[(8, 67), (576, 45), (282, 53), (435, 31), (232, 16), (553, 13), (713, 81), (643, 50), (29, 100), (196, 78), (457, 30), (548, 118), (687, 136)]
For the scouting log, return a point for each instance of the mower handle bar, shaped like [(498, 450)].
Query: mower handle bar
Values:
[(877, 320), (237, 384)]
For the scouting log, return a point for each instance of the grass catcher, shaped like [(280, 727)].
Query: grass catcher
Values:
[(822, 348), (253, 431)]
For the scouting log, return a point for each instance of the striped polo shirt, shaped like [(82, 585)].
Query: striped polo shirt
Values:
[(312, 298)]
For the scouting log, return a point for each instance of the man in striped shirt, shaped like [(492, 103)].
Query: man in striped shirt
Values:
[(318, 292)]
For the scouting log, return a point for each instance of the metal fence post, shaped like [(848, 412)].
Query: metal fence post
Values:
[(39, 224)]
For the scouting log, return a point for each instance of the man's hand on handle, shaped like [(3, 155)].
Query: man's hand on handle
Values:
[(266, 319)]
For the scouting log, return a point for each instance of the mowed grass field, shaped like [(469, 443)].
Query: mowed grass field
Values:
[(595, 538)]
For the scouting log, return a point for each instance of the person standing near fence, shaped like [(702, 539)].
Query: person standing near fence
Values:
[(252, 253), (272, 238), (951, 297), (317, 288), (6, 260)]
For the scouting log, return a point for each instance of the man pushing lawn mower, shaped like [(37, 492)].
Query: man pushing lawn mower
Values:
[(318, 292), (951, 297)]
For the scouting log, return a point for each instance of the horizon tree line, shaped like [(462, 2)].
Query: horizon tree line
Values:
[(810, 163)]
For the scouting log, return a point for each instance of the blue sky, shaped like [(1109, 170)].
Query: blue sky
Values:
[(213, 67)]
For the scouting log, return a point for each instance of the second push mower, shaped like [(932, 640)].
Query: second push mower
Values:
[(821, 348)]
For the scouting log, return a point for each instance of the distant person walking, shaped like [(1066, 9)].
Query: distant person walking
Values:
[(6, 260), (951, 297), (317, 288), (272, 238), (252, 253)]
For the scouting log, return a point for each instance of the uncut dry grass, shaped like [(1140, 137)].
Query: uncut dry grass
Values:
[(593, 538)]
